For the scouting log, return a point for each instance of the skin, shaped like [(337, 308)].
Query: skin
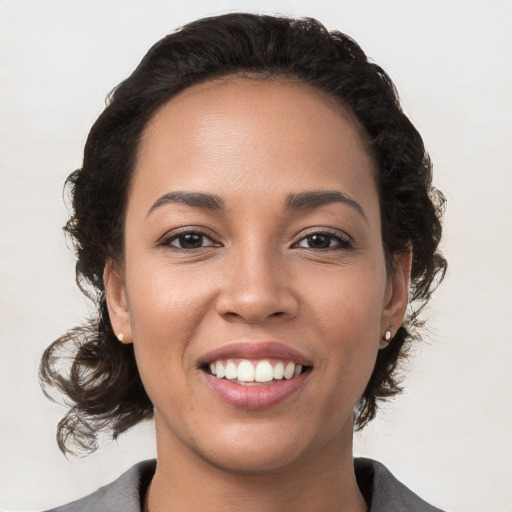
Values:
[(253, 143)]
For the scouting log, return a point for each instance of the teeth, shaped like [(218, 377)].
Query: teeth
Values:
[(289, 371), (264, 372), (220, 370), (279, 371), (245, 371), (231, 370), (254, 371)]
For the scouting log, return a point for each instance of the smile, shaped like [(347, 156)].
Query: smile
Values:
[(255, 375), (246, 371)]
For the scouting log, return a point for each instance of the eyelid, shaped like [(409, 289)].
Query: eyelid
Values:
[(185, 230), (346, 241)]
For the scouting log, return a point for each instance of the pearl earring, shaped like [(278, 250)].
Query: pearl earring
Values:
[(120, 336), (387, 335)]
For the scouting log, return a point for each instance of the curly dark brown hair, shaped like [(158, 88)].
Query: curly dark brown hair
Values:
[(102, 385)]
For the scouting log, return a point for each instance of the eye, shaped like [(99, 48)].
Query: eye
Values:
[(323, 241), (190, 240)]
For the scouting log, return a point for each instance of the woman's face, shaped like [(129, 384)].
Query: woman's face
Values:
[(253, 245)]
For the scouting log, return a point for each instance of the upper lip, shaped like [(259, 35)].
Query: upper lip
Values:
[(255, 350)]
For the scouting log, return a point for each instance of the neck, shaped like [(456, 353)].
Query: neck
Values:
[(321, 482)]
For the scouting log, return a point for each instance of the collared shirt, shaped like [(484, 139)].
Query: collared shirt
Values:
[(382, 491)]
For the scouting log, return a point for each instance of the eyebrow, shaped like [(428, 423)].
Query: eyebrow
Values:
[(196, 199), (300, 201), (317, 198)]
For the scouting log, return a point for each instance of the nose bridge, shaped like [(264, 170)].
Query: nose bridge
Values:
[(257, 285)]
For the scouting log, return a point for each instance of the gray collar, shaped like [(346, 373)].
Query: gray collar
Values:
[(380, 488)]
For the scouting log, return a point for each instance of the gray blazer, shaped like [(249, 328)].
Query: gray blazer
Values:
[(380, 488)]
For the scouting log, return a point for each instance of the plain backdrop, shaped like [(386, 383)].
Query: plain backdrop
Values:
[(448, 437)]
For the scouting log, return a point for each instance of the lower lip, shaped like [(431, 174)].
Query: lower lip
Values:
[(254, 396)]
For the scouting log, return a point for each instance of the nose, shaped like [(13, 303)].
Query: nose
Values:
[(257, 288)]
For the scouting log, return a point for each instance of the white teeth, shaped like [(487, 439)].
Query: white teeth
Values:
[(220, 370), (245, 371), (254, 371), (264, 372), (289, 370), (279, 371), (231, 370)]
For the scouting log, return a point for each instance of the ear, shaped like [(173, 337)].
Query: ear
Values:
[(115, 292), (396, 297)]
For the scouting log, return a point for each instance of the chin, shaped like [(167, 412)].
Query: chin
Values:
[(258, 448), (250, 459)]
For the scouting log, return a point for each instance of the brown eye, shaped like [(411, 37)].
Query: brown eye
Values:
[(190, 241), (322, 241), (318, 241)]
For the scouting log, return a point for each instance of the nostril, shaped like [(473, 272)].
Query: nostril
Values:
[(256, 305), (232, 314)]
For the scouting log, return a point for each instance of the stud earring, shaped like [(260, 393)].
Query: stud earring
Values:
[(120, 336), (387, 335)]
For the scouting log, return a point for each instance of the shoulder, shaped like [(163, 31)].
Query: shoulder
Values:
[(125, 493), (384, 491), (378, 485)]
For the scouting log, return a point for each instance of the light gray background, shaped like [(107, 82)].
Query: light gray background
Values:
[(449, 436)]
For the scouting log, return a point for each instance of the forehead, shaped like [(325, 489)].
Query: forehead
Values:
[(240, 133)]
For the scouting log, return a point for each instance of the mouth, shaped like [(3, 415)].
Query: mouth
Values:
[(255, 375), (253, 372)]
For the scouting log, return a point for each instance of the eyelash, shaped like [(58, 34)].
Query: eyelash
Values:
[(168, 241), (341, 242)]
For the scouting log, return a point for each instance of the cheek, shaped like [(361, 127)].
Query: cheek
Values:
[(345, 309), (166, 310), (346, 300), (164, 303)]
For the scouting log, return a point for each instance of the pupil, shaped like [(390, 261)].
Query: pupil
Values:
[(318, 241), (191, 241)]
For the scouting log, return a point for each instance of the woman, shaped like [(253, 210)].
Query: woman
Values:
[(253, 216)]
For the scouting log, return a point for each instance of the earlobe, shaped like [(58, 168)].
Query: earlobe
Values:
[(397, 295), (115, 293), (386, 339)]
